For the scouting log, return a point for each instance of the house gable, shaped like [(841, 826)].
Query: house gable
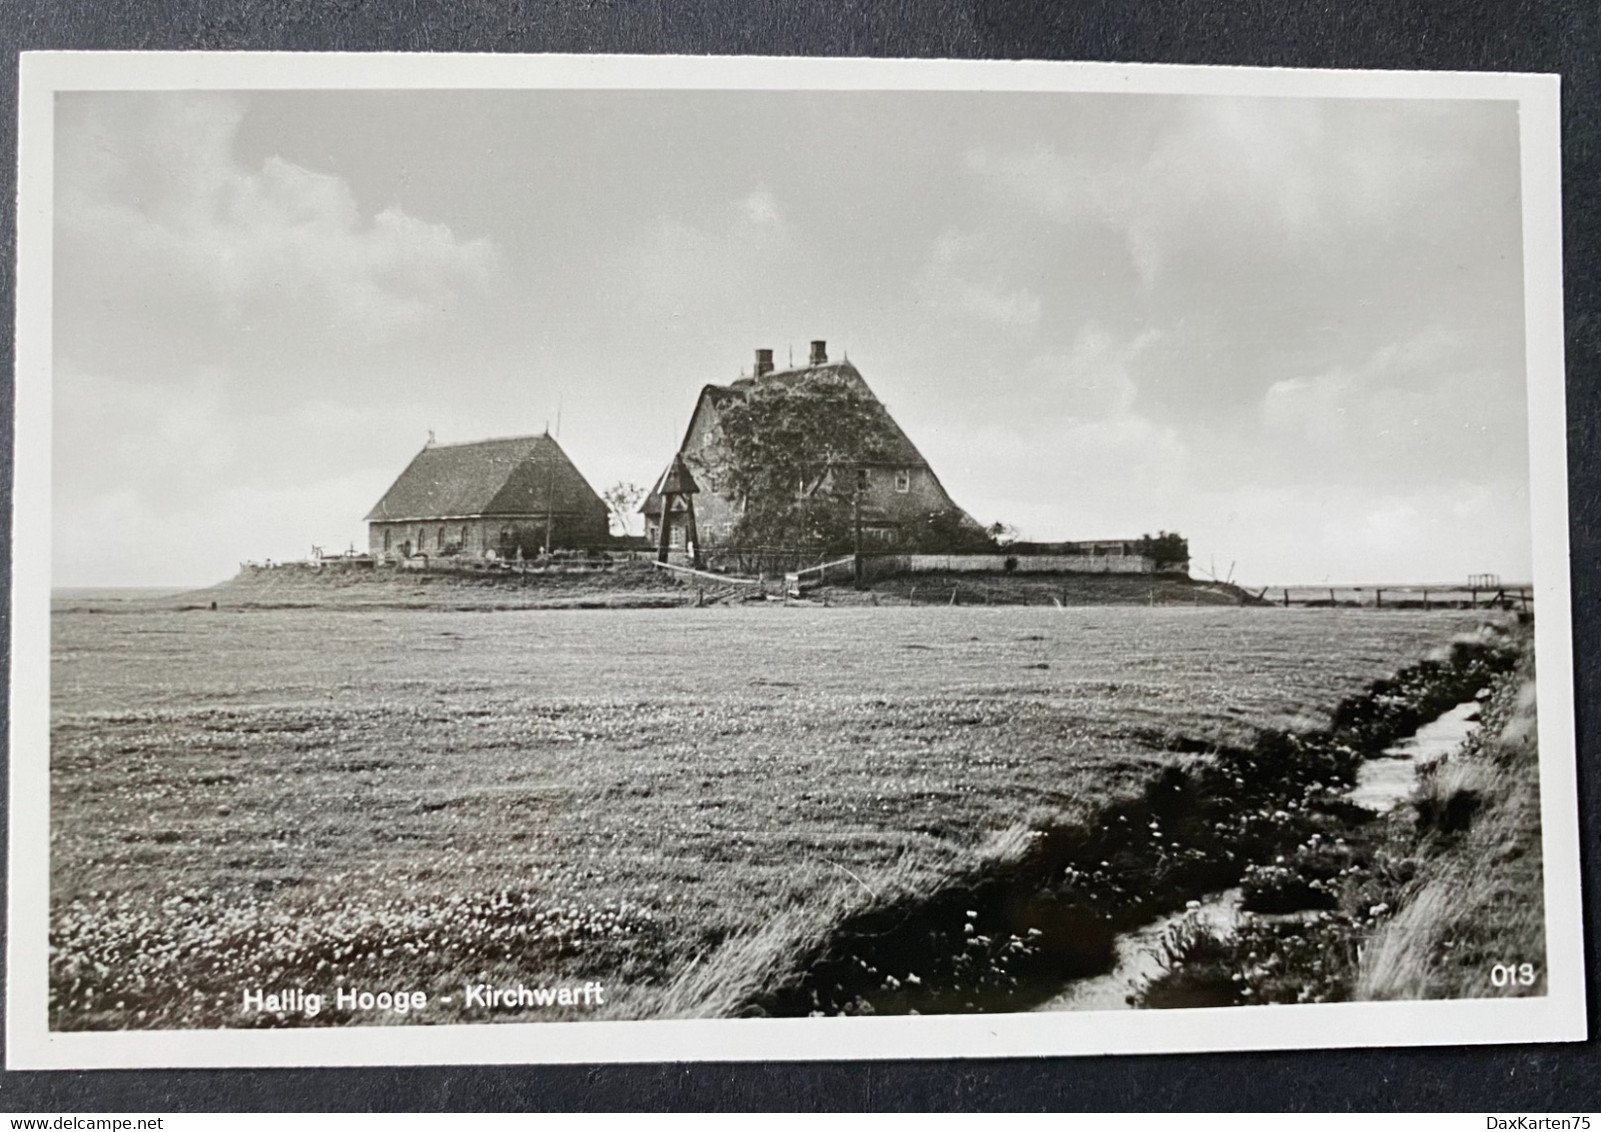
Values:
[(903, 492)]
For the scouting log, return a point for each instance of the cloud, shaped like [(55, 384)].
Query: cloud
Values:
[(946, 286), (227, 334), (1221, 180), (1285, 534), (1076, 459), (1096, 315), (689, 276), (760, 208), (1078, 193), (1108, 478), (158, 218), (1095, 377), (1423, 407), (181, 435), (196, 540), (1310, 408)]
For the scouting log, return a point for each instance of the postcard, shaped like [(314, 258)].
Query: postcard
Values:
[(595, 558)]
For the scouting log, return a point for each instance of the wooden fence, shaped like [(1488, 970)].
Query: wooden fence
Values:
[(1015, 563), (689, 574), (1400, 597), (797, 582)]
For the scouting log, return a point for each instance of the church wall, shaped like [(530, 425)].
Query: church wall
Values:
[(475, 538)]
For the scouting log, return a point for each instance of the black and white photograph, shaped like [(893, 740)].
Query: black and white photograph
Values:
[(616, 559)]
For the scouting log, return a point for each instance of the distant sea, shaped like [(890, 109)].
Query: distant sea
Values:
[(115, 593)]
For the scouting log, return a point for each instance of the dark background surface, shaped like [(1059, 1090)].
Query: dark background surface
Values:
[(1556, 36)]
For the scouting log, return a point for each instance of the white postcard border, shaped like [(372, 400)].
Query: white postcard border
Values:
[(1558, 1016)]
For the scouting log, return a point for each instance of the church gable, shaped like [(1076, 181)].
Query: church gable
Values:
[(489, 498)]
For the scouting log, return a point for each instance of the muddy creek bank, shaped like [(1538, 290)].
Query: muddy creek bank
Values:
[(1148, 954), (1015, 934)]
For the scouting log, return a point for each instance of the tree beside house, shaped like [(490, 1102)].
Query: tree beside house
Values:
[(805, 458)]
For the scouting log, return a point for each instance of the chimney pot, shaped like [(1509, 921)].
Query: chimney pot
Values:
[(819, 352), (764, 362)]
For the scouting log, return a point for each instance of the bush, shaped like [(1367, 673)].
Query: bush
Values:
[(1276, 889)]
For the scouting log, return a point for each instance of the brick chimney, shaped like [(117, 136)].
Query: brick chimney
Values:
[(819, 352), (764, 362)]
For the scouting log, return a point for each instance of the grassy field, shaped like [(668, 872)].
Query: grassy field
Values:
[(301, 586), (667, 801), (630, 585)]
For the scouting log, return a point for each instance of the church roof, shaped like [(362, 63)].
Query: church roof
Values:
[(520, 475)]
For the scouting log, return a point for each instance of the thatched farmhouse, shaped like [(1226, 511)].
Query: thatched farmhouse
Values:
[(902, 502), (509, 498)]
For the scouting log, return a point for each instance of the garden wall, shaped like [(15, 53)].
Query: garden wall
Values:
[(883, 565)]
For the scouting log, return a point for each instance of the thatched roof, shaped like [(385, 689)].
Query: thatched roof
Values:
[(900, 452), (522, 475)]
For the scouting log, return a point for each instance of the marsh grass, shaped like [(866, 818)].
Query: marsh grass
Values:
[(677, 803), (753, 962), (1477, 898)]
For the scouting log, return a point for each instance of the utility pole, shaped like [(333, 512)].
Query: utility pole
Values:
[(861, 489), (805, 540), (550, 494)]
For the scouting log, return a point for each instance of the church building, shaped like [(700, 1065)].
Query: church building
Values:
[(511, 498)]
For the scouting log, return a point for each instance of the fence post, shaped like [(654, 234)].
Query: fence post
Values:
[(1378, 599), (1425, 601), (1286, 597), (1331, 598)]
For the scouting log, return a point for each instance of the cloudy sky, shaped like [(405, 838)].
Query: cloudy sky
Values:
[(1289, 329)]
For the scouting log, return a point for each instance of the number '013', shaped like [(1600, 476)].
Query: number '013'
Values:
[(1510, 975)]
